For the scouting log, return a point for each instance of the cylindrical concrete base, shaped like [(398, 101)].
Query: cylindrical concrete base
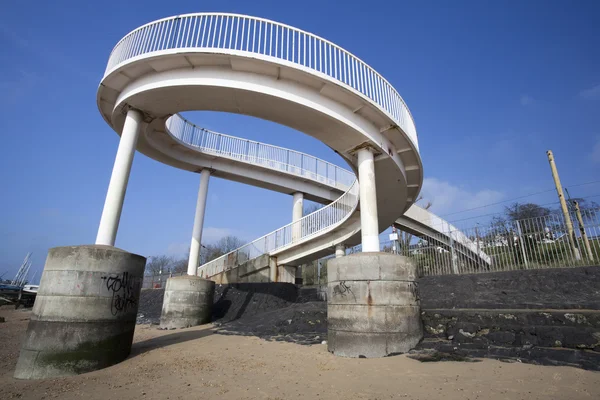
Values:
[(188, 302), (84, 314), (372, 305)]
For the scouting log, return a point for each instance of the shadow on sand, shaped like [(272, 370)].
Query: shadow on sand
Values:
[(179, 336)]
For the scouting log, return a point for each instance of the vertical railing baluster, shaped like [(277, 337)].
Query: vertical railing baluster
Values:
[(210, 21), (230, 30), (247, 33), (259, 37), (205, 20), (293, 45), (182, 40), (277, 53), (270, 39), (253, 33), (220, 31)]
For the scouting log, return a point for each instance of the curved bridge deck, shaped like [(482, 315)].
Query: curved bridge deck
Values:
[(314, 174), (252, 66)]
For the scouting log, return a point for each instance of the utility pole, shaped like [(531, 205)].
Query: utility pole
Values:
[(563, 205), (586, 242)]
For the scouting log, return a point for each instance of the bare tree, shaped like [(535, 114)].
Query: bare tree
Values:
[(222, 247), (585, 205), (179, 266), (529, 216), (158, 264), (518, 211)]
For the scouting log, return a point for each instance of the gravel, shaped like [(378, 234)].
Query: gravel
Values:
[(272, 311)]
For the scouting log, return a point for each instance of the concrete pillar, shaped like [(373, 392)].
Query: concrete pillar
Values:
[(111, 214), (373, 307), (194, 259), (273, 271), (286, 274), (340, 250), (368, 201), (297, 213), (84, 314), (187, 302)]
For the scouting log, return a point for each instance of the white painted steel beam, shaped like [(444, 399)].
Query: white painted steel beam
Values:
[(115, 196), (297, 214), (369, 225), (194, 260)]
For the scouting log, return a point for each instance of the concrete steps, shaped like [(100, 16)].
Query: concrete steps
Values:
[(585, 359), (546, 316), (547, 337)]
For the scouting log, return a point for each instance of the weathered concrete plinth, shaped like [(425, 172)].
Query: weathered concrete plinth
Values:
[(372, 305), (188, 302), (84, 314), (286, 274)]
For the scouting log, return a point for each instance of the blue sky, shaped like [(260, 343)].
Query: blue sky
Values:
[(492, 86)]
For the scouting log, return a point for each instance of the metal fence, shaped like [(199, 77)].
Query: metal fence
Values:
[(240, 34), (265, 155), (158, 281), (532, 243)]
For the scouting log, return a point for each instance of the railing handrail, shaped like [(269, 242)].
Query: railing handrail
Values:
[(279, 44), (383, 98), (327, 163), (183, 130), (350, 191)]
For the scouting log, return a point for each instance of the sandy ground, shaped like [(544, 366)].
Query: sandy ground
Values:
[(195, 363)]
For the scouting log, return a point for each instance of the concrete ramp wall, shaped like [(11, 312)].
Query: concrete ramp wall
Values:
[(258, 270)]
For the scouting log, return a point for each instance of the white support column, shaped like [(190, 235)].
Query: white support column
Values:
[(113, 205), (368, 201), (340, 250), (297, 211), (194, 259)]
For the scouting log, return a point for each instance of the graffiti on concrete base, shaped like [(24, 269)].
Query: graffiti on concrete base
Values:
[(413, 288), (341, 289), (123, 288)]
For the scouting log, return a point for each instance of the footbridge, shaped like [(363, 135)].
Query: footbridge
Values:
[(303, 176), (234, 63), (253, 66)]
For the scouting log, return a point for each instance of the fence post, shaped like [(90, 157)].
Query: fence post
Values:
[(522, 244), (586, 242), (453, 254), (477, 258)]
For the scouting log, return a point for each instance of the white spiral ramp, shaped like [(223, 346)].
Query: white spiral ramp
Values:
[(252, 66)]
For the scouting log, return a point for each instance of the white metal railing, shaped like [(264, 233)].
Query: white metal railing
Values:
[(445, 228), (262, 154), (243, 35), (308, 226)]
